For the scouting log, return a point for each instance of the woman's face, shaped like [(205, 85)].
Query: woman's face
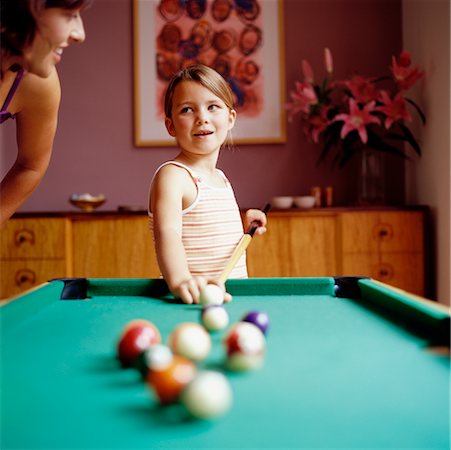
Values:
[(57, 28)]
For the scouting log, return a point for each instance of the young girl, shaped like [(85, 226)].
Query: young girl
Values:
[(34, 35), (192, 208)]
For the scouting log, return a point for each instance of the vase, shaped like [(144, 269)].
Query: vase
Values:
[(371, 178)]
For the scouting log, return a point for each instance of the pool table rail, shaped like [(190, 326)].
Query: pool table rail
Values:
[(419, 315)]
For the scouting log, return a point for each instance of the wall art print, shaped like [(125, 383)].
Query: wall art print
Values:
[(241, 39)]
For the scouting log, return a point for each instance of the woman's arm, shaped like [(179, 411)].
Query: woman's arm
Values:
[(36, 104)]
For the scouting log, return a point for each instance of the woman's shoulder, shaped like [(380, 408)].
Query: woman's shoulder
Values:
[(37, 92), (31, 83)]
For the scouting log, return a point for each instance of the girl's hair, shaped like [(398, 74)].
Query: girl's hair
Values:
[(204, 75), (19, 21)]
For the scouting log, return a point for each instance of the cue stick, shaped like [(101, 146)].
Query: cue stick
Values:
[(240, 248)]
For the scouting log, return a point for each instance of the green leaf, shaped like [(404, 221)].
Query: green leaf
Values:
[(382, 78), (377, 143), (410, 138), (347, 155), (328, 142), (418, 109)]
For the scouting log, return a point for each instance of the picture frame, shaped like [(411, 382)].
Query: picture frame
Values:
[(247, 48)]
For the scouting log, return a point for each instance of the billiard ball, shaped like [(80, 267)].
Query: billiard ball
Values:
[(190, 340), (135, 340), (135, 323), (245, 347), (208, 395), (168, 381), (258, 318), (156, 357), (211, 294), (214, 317)]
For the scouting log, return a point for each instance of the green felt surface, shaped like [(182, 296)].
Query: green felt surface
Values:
[(337, 374)]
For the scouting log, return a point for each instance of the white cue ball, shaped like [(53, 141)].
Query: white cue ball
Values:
[(190, 340), (215, 317), (211, 294), (208, 395)]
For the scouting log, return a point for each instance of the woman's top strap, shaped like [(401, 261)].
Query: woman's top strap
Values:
[(4, 114)]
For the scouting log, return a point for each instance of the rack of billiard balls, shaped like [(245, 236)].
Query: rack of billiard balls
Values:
[(172, 370)]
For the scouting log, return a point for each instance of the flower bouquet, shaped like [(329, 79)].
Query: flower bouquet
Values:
[(351, 115)]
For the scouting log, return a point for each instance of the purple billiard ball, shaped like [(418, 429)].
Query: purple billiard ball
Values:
[(258, 318)]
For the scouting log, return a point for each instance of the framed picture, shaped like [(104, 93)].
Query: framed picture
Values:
[(242, 40)]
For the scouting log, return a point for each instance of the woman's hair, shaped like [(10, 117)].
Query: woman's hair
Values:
[(204, 75), (19, 21)]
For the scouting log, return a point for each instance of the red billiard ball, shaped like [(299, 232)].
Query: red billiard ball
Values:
[(259, 319), (135, 323), (135, 340), (245, 346), (169, 380)]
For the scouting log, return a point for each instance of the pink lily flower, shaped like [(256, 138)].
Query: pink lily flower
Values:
[(395, 109), (307, 71), (404, 75), (317, 124), (357, 119), (328, 61), (405, 59), (303, 97), (362, 89)]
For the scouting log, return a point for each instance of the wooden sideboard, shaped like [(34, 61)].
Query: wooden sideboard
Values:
[(386, 244)]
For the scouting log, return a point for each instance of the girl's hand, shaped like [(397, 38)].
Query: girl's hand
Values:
[(189, 290), (255, 217)]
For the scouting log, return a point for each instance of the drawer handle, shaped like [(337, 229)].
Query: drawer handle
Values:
[(22, 237), (25, 276), (384, 232), (385, 272)]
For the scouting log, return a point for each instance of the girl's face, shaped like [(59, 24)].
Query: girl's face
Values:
[(200, 120), (57, 28)]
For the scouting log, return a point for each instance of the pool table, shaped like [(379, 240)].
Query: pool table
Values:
[(350, 363)]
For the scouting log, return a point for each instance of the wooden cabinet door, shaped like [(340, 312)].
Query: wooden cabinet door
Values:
[(294, 246), (268, 255), (313, 248), (359, 232), (114, 248)]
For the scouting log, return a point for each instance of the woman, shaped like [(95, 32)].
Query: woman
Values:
[(33, 36)]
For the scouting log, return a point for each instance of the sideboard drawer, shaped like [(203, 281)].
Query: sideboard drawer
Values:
[(20, 275), (34, 238), (402, 270), (382, 232)]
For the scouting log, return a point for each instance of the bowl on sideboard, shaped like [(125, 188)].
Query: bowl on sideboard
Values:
[(87, 202), (282, 202), (304, 201)]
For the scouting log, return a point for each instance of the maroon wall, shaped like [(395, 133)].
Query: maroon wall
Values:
[(94, 149)]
